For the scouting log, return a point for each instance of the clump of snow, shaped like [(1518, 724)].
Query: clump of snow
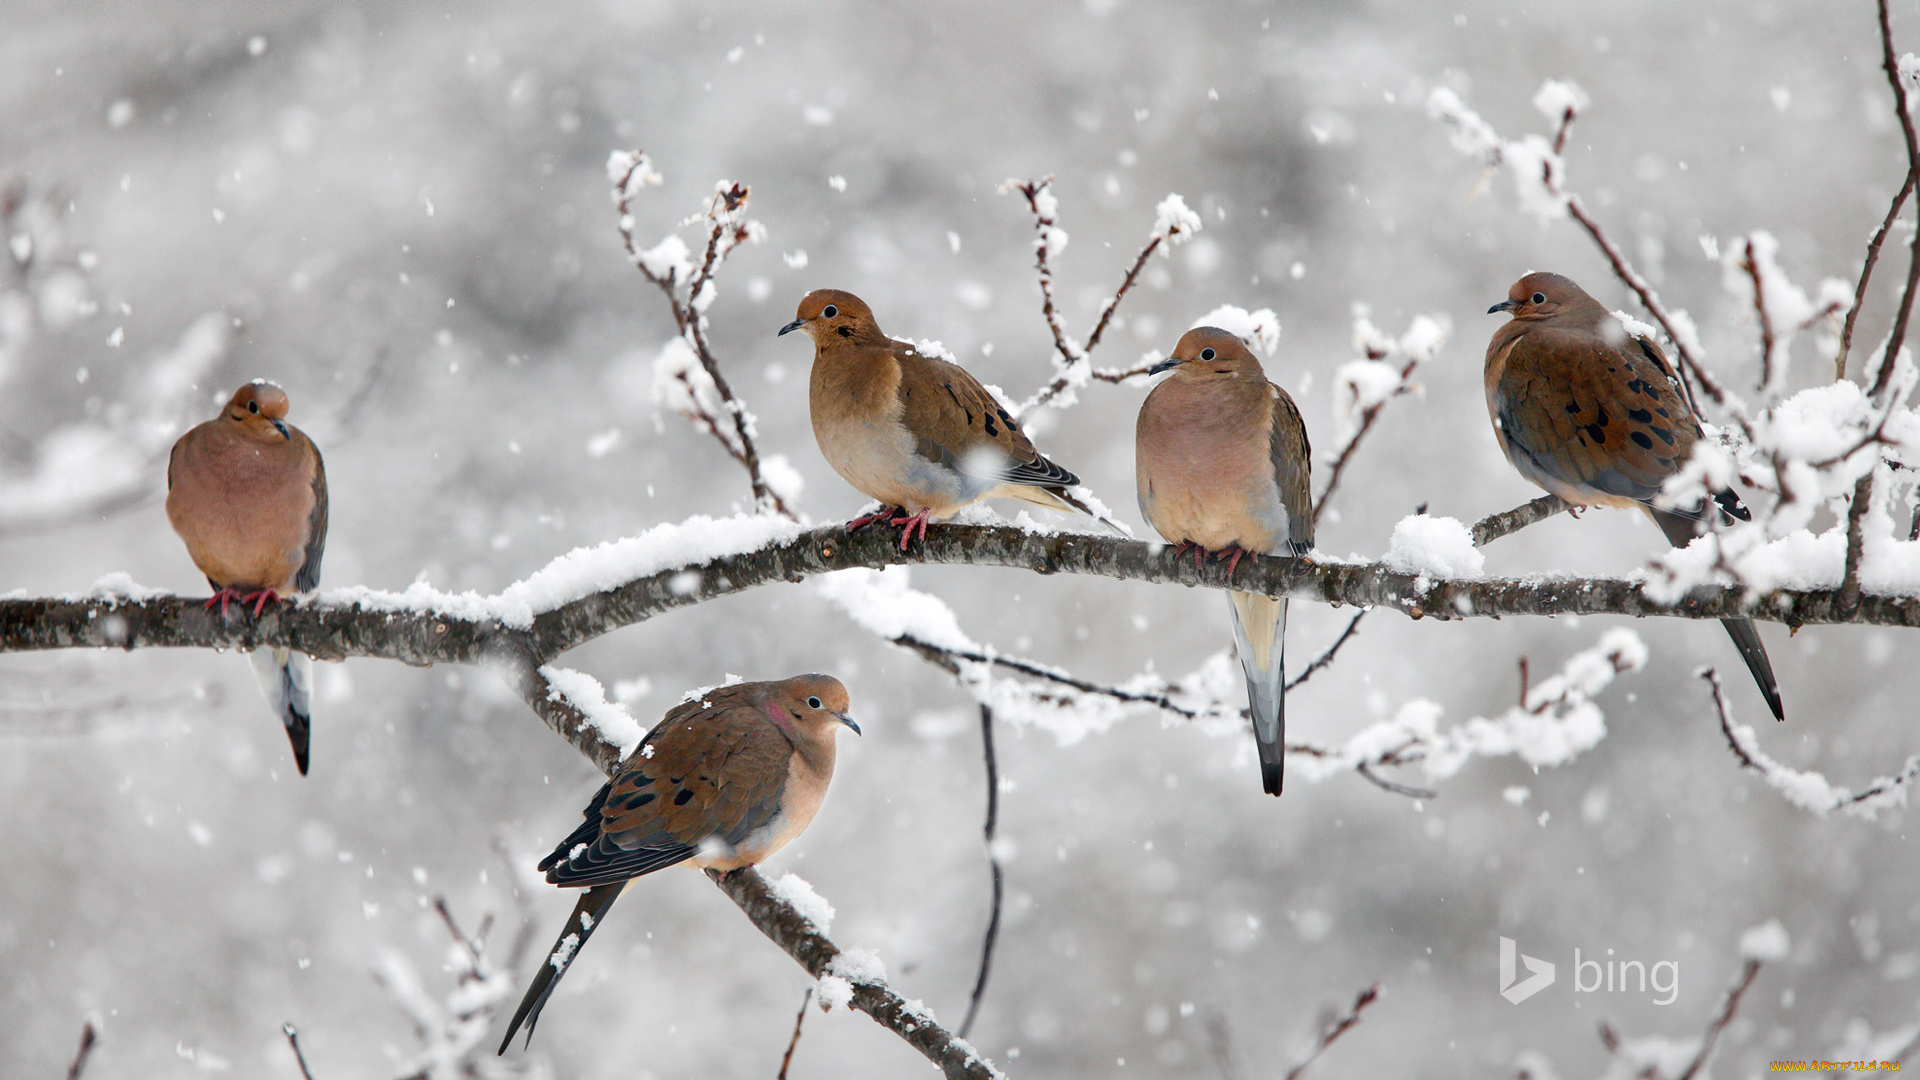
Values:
[(629, 171), (1557, 723), (1174, 223), (1435, 546), (587, 570), (862, 966), (669, 260), (1360, 385), (1766, 942), (119, 585), (1538, 173), (1259, 329), (833, 992), (1813, 792), (421, 598), (1382, 373), (935, 348), (1557, 98), (884, 603), (616, 725), (800, 896)]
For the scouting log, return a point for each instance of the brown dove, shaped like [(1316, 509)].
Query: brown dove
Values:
[(1596, 417), (723, 781), (248, 493), (1221, 465), (914, 431)]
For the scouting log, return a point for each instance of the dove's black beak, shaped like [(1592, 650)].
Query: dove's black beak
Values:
[(1168, 364), (1504, 305), (791, 327), (281, 427), (844, 718)]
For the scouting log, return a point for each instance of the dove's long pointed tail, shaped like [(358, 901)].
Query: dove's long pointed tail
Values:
[(286, 681), (1259, 627), (1680, 531), (580, 925)]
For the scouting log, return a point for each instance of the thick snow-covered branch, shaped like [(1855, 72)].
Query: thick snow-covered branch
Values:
[(592, 592)]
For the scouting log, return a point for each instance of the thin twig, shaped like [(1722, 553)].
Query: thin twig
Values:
[(723, 234), (1072, 353), (1367, 417), (948, 660), (993, 862), (87, 1037), (798, 1019), (1689, 365), (293, 1040), (1338, 1026), (1494, 526), (1849, 594), (1891, 65), (1326, 658), (1720, 1022), (1882, 791), (1752, 266)]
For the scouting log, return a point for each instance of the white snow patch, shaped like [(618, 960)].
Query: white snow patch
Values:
[(1767, 942), (1438, 546), (800, 896), (615, 724)]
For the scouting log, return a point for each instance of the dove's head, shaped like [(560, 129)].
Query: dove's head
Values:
[(834, 315), (1208, 352), (260, 407)]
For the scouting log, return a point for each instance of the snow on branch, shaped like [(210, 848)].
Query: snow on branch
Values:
[(1809, 790), (1174, 224), (687, 376), (1363, 387), (422, 626)]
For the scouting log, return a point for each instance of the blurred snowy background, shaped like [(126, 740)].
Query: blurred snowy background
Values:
[(400, 212)]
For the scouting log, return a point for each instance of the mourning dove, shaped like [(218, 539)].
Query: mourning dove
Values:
[(1221, 465), (723, 781), (1596, 417), (248, 493), (914, 431)]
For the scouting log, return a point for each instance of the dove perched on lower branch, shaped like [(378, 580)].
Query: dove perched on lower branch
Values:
[(248, 494), (1221, 465), (914, 431), (1596, 417), (722, 782)]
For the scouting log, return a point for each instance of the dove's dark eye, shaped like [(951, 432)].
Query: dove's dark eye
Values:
[(829, 311), (1207, 354), (253, 406), (813, 703), (1539, 298)]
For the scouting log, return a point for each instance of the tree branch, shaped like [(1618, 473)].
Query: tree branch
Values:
[(397, 627), (790, 930), (993, 861), (1748, 973), (1494, 526), (1898, 335), (1338, 1026), (793, 1043), (299, 1056), (87, 1039)]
